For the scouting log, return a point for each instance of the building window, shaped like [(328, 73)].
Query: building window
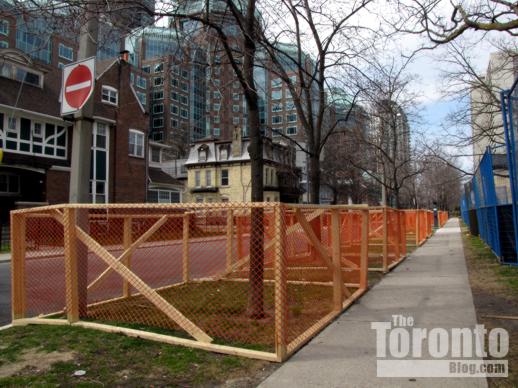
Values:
[(184, 100), (185, 74), (291, 131), (216, 107), (9, 184), (235, 108), (185, 87), (159, 68), (4, 27), (199, 199), (202, 154), (142, 98), (100, 167), (158, 136), (291, 118), (136, 143), (174, 123), (158, 81), (174, 109), (277, 107), (163, 196), (290, 105), (146, 69), (141, 82), (276, 94), (236, 96), (21, 74), (158, 108), (155, 154), (276, 83), (208, 178), (216, 120), (217, 132), (174, 82), (184, 113), (4, 44), (176, 69), (217, 95), (158, 122), (235, 120), (197, 179), (109, 95), (158, 95), (276, 119), (236, 84), (65, 52), (224, 178), (174, 96)]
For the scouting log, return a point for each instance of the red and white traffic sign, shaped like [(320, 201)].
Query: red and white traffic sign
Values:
[(77, 86)]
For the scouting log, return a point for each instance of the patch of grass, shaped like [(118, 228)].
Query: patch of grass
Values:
[(495, 293), (5, 248), (112, 359)]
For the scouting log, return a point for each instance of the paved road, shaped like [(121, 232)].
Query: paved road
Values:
[(431, 285), (5, 293)]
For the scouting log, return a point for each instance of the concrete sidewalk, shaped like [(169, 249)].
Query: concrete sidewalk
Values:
[(431, 286), (5, 257)]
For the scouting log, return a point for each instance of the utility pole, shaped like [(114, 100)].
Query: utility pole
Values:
[(83, 120), (81, 156)]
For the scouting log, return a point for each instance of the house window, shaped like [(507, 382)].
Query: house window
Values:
[(291, 130), (224, 178), (159, 67), (158, 81), (223, 152), (158, 122), (291, 118), (141, 82), (136, 143), (158, 136), (4, 27), (9, 184), (155, 154), (276, 94), (65, 52), (202, 155), (109, 95), (197, 179), (100, 167), (163, 196), (142, 98), (276, 119), (208, 178), (199, 199), (217, 132), (158, 95), (158, 108), (174, 109)]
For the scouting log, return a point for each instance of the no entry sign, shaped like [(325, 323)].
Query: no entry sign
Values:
[(78, 85)]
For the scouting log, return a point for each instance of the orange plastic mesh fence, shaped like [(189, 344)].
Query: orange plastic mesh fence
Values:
[(256, 276), (442, 218)]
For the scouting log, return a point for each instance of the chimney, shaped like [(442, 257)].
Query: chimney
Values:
[(236, 142), (124, 55)]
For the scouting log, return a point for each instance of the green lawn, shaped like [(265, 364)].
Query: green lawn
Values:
[(49, 355)]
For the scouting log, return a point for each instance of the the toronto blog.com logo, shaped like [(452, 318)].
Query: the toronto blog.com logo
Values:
[(405, 350)]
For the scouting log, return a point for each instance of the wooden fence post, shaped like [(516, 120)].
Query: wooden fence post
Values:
[(18, 247), (239, 232), (230, 234), (127, 239), (385, 240), (71, 267), (417, 226), (337, 254), (281, 290), (185, 250), (364, 251)]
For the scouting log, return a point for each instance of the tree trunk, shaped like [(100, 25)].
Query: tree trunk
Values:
[(314, 179), (255, 150)]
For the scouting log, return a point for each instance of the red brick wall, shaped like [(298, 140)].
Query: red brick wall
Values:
[(57, 186)]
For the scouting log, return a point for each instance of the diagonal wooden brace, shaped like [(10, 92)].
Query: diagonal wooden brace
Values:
[(142, 287)]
